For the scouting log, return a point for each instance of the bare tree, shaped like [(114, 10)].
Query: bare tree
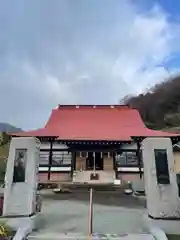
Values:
[(159, 107)]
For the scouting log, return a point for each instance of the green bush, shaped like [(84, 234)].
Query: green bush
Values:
[(5, 138), (2, 170), (5, 231)]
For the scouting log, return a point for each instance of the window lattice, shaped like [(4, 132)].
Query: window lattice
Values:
[(58, 158)]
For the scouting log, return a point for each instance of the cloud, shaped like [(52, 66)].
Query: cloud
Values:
[(88, 52), (148, 46)]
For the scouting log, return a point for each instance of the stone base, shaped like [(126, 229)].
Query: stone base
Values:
[(94, 176), (23, 225), (138, 186), (168, 226), (62, 190)]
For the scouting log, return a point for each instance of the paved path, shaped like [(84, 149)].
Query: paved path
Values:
[(112, 213), (142, 236)]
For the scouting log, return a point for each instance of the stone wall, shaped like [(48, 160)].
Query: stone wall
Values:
[(128, 176), (54, 177)]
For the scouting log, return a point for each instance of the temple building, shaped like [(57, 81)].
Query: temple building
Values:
[(87, 143)]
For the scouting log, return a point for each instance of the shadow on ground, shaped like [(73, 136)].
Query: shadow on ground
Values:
[(102, 198)]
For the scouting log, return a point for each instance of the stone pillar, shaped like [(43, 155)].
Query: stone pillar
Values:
[(160, 179), (21, 177)]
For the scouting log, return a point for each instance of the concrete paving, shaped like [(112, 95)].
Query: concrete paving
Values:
[(112, 213), (142, 236)]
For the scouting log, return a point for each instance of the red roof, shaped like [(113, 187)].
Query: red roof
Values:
[(85, 122)]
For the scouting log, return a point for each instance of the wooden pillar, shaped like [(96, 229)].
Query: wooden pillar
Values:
[(50, 158), (138, 154), (73, 162), (114, 164), (94, 161), (114, 160)]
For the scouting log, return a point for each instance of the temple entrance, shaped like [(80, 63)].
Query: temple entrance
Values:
[(94, 161), (90, 161), (98, 161)]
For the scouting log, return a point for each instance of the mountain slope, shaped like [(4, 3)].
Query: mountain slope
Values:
[(6, 127), (160, 106)]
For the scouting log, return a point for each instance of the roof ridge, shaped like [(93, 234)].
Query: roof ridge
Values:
[(89, 106)]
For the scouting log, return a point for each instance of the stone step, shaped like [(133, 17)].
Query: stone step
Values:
[(104, 177), (69, 236), (97, 187)]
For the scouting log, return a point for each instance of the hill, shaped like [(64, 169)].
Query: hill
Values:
[(5, 127), (160, 105)]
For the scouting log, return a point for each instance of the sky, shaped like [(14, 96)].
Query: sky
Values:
[(82, 52)]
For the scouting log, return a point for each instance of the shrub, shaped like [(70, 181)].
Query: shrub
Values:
[(2, 170), (5, 231)]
